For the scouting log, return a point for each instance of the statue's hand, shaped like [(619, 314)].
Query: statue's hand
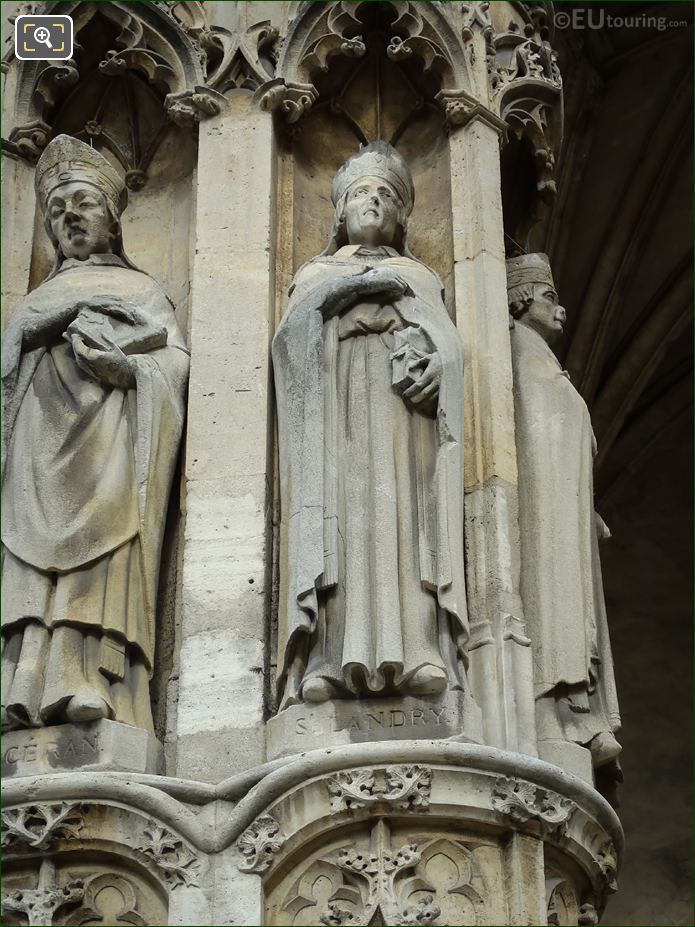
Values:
[(110, 365), (425, 390), (42, 328), (344, 292), (385, 281)]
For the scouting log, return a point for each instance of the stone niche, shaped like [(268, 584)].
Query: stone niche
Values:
[(362, 97)]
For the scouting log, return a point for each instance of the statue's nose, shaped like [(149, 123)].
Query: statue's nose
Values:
[(560, 314)]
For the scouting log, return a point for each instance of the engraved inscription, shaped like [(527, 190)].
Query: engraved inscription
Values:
[(369, 722), (68, 751)]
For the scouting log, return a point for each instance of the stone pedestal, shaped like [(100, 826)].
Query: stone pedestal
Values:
[(358, 721), (87, 747)]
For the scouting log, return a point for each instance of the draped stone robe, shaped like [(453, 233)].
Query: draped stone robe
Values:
[(87, 473), (372, 564), (561, 582)]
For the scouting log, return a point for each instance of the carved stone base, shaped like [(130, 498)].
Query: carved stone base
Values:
[(356, 721), (88, 747), (570, 757), (410, 832)]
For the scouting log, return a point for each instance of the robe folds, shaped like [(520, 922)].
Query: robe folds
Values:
[(88, 468), (372, 563), (561, 583)]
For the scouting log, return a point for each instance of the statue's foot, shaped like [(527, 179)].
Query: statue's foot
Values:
[(428, 680), (604, 748), (18, 717), (7, 722), (318, 690), (86, 707)]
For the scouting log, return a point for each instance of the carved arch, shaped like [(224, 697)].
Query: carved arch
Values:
[(91, 862), (166, 49), (321, 32)]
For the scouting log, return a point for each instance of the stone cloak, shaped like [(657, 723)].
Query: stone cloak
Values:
[(561, 583), (154, 410), (303, 351)]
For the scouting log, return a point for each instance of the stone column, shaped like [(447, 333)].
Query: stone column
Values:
[(18, 209), (500, 654), (216, 728)]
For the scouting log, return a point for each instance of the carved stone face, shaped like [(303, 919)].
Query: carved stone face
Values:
[(545, 314), (80, 220), (371, 212)]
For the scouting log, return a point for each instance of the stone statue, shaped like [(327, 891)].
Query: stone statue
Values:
[(94, 377), (561, 583), (369, 382)]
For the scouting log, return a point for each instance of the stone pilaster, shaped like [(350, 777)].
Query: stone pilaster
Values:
[(219, 701), (500, 655)]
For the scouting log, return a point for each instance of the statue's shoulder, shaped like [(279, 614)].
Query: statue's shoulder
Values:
[(422, 273), (313, 272)]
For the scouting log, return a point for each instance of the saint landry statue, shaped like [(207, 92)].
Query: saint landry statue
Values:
[(369, 382), (94, 375), (561, 583)]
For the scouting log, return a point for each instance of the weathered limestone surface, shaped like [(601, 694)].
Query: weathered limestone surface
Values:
[(349, 649), (219, 698), (93, 745), (574, 685), (345, 721), (369, 383), (94, 374)]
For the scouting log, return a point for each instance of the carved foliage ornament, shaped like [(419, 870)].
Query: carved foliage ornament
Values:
[(290, 99), (402, 787), (172, 61), (526, 86), (175, 859), (382, 881), (522, 802), (103, 898), (608, 861), (528, 60), (35, 826), (39, 905), (259, 843)]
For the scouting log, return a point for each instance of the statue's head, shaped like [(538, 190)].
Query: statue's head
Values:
[(373, 196), (533, 300), (82, 197)]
